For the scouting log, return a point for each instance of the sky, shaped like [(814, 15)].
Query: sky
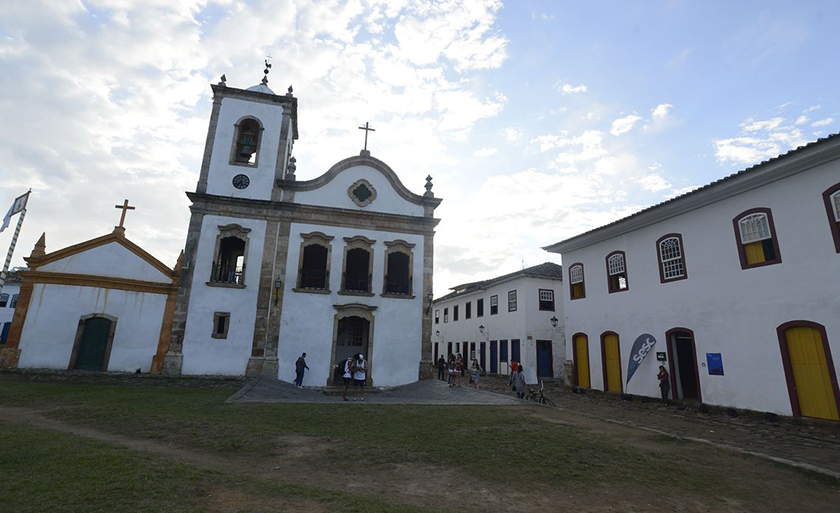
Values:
[(537, 120)]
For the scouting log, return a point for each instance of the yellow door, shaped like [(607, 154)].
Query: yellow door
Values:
[(582, 360), (810, 373), (613, 364)]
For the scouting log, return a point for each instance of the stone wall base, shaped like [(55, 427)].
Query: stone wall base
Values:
[(260, 366), (570, 370), (426, 370), (9, 358), (172, 364)]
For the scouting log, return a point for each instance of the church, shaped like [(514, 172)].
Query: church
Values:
[(272, 267)]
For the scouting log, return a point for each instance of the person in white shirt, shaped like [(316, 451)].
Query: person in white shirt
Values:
[(360, 375), (349, 365)]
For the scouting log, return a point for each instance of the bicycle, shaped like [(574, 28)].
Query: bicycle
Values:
[(538, 396)]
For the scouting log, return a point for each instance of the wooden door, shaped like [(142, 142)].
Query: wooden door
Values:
[(581, 346), (545, 367), (612, 363), (494, 357), (94, 343), (811, 377)]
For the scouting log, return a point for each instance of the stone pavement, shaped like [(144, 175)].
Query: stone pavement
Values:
[(432, 391), (805, 443)]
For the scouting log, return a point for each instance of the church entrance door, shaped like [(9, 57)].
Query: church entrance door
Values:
[(353, 337), (93, 344)]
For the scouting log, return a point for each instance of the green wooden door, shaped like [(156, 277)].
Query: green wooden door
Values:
[(93, 344)]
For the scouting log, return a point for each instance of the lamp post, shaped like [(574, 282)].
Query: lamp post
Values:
[(278, 284), (554, 322)]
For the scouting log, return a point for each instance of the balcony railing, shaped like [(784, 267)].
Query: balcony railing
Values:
[(227, 274), (356, 283), (313, 278), (396, 287)]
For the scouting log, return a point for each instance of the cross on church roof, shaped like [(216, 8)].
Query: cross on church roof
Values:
[(124, 207), (367, 129)]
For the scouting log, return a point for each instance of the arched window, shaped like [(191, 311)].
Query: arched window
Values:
[(314, 267), (577, 287), (756, 238), (4, 300), (246, 142), (616, 272), (831, 197), (230, 256), (399, 256), (358, 265), (669, 250)]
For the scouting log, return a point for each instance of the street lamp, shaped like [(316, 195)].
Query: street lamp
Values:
[(278, 284), (437, 334), (430, 297), (554, 322), (481, 329)]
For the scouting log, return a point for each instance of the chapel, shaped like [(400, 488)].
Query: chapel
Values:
[(272, 267)]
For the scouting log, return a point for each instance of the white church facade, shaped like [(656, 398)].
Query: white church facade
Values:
[(273, 267), (738, 282)]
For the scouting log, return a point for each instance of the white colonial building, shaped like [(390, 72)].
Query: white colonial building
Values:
[(738, 282), (505, 319), (101, 305), (275, 267)]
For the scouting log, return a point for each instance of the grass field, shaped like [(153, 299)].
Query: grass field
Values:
[(201, 453)]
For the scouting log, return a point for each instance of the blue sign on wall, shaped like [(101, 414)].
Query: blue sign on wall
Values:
[(715, 363)]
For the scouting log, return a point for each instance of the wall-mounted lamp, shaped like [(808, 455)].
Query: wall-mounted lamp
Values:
[(437, 334), (481, 329), (429, 297), (278, 284), (554, 322)]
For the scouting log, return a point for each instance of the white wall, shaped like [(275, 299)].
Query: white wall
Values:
[(527, 323), (334, 193), (202, 353), (112, 260), (221, 172), (732, 311), (307, 320), (53, 317)]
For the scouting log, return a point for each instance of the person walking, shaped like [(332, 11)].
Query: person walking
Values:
[(441, 365), (513, 366), (451, 370), (664, 383), (459, 368), (519, 382), (360, 375), (300, 368), (349, 364), (475, 372)]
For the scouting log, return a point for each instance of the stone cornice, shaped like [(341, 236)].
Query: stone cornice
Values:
[(361, 160), (763, 174), (296, 212), (103, 282), (221, 91)]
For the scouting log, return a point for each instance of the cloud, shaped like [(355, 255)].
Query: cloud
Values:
[(684, 190), (760, 140), (812, 108), (513, 134), (801, 120), (823, 122), (660, 112), (485, 152), (624, 125), (768, 124), (570, 89), (654, 183), (541, 16)]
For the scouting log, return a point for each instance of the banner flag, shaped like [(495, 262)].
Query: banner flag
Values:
[(17, 206), (641, 348)]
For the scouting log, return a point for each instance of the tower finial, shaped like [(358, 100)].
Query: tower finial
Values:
[(266, 70), (429, 193)]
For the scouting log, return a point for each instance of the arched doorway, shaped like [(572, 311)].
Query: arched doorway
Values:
[(611, 362), (92, 347), (581, 358), (809, 370), (682, 359), (353, 334)]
